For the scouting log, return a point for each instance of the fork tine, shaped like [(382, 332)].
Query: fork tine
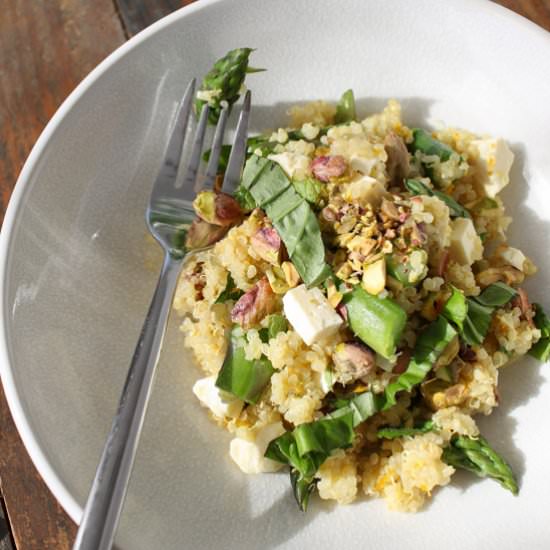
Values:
[(169, 169), (215, 151), (195, 158), (238, 151)]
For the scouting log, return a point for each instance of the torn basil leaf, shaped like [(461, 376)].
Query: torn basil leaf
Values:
[(306, 447), (291, 216), (230, 292), (456, 210), (541, 350), (456, 308), (309, 189), (430, 344), (496, 295), (394, 433)]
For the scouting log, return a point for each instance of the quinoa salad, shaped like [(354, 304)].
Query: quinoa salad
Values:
[(352, 301)]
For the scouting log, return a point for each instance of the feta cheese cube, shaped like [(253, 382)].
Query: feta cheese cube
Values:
[(221, 403), (516, 258), (295, 165), (249, 455), (495, 161), (466, 246), (310, 314)]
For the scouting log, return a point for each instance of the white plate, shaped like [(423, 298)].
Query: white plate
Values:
[(75, 288)]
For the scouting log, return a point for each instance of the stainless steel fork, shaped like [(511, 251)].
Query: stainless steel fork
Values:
[(168, 216)]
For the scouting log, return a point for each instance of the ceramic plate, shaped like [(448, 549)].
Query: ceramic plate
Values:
[(78, 271)]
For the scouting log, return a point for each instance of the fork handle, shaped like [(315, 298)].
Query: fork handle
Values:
[(102, 512)]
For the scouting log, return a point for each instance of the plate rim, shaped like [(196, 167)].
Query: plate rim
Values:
[(48, 474)]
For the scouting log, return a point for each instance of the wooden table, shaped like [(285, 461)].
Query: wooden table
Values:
[(46, 48)]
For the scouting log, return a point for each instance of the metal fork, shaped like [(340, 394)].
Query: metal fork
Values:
[(168, 215)]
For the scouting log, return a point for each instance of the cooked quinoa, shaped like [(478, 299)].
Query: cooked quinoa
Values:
[(406, 217)]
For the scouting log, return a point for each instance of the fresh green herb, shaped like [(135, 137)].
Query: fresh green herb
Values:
[(224, 81), (230, 292), (456, 308), (345, 110), (425, 143), (306, 447), (393, 433), (477, 323), (456, 210), (224, 158), (477, 456), (245, 199), (541, 350), (291, 216), (496, 295), (379, 322), (480, 312), (239, 376), (541, 321), (310, 189), (362, 406), (431, 342)]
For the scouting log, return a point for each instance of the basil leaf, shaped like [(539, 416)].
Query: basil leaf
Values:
[(241, 377), (307, 447), (541, 321), (456, 210), (431, 342), (244, 198), (477, 323), (230, 292), (309, 189), (362, 406), (345, 110), (496, 295), (291, 216), (379, 322), (456, 308), (425, 143), (393, 433), (477, 456), (541, 350)]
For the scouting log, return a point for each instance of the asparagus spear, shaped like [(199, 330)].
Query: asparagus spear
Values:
[(345, 110), (223, 82), (477, 456)]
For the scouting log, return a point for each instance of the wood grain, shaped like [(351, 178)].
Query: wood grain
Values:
[(138, 15), (537, 11), (46, 48)]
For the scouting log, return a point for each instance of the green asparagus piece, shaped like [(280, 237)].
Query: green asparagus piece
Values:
[(456, 210), (345, 110), (477, 456), (423, 141), (224, 82)]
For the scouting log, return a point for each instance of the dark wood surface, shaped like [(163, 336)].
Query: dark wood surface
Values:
[(46, 48)]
